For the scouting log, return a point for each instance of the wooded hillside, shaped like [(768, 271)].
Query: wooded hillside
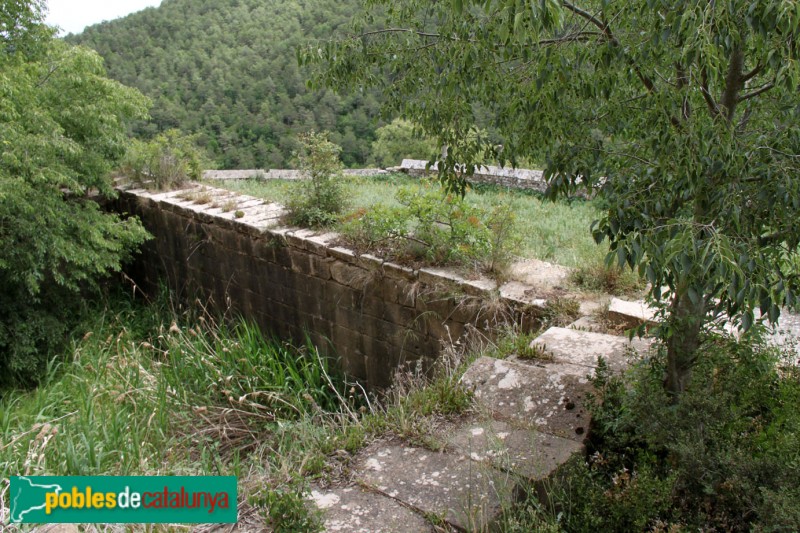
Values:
[(227, 70)]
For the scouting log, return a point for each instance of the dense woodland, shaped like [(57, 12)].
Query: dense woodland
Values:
[(227, 71)]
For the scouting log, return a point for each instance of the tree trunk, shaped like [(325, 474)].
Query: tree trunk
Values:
[(685, 324)]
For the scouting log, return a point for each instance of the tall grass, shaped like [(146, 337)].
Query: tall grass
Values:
[(148, 390), (145, 394)]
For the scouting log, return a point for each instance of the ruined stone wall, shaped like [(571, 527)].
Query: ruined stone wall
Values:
[(375, 315)]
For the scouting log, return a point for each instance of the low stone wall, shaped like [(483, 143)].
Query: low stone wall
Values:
[(280, 174), (376, 315), (518, 178)]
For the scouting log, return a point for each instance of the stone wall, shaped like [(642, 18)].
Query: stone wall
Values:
[(374, 314), (518, 178), (280, 174)]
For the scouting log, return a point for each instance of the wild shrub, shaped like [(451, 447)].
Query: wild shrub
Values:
[(165, 162), (607, 279), (319, 199), (723, 459)]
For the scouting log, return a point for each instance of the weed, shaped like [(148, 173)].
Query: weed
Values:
[(239, 214), (561, 311), (199, 196), (607, 279), (435, 227)]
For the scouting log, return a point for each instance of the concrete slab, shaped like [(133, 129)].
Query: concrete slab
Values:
[(466, 494), (550, 398), (355, 510), (522, 451), (631, 313), (584, 347)]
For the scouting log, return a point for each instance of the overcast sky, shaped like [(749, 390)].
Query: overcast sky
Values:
[(74, 15)]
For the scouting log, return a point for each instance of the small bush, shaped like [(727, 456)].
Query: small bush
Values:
[(318, 200), (437, 228), (165, 162), (724, 459), (607, 279)]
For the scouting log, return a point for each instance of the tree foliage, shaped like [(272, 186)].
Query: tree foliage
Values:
[(685, 116), (227, 71), (397, 141), (62, 127)]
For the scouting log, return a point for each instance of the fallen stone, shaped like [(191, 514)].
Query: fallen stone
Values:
[(453, 488), (631, 314), (550, 398), (522, 451), (355, 510), (584, 347)]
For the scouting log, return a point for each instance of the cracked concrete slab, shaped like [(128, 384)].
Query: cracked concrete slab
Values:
[(522, 451), (355, 510), (451, 487), (550, 397)]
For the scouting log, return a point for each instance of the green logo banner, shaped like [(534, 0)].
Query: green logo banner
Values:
[(123, 500)]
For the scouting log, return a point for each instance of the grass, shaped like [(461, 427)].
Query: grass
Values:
[(556, 232), (144, 390)]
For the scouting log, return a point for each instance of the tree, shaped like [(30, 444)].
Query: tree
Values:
[(397, 141), (62, 128), (684, 116)]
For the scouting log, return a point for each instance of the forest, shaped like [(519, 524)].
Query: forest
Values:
[(227, 71)]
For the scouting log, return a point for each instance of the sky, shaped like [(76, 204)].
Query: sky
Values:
[(74, 15)]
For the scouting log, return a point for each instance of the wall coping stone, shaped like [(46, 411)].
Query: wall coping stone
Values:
[(323, 243)]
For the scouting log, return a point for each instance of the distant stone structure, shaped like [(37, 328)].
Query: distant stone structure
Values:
[(518, 178), (279, 174)]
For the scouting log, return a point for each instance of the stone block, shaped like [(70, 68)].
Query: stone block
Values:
[(341, 295), (395, 271), (521, 451), (584, 347), (631, 314), (350, 275), (550, 397), (465, 494), (400, 291), (355, 510), (381, 359)]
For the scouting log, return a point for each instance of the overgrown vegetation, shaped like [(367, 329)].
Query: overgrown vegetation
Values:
[(63, 127), (724, 459), (608, 279), (439, 228), (165, 162), (158, 390), (549, 231)]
